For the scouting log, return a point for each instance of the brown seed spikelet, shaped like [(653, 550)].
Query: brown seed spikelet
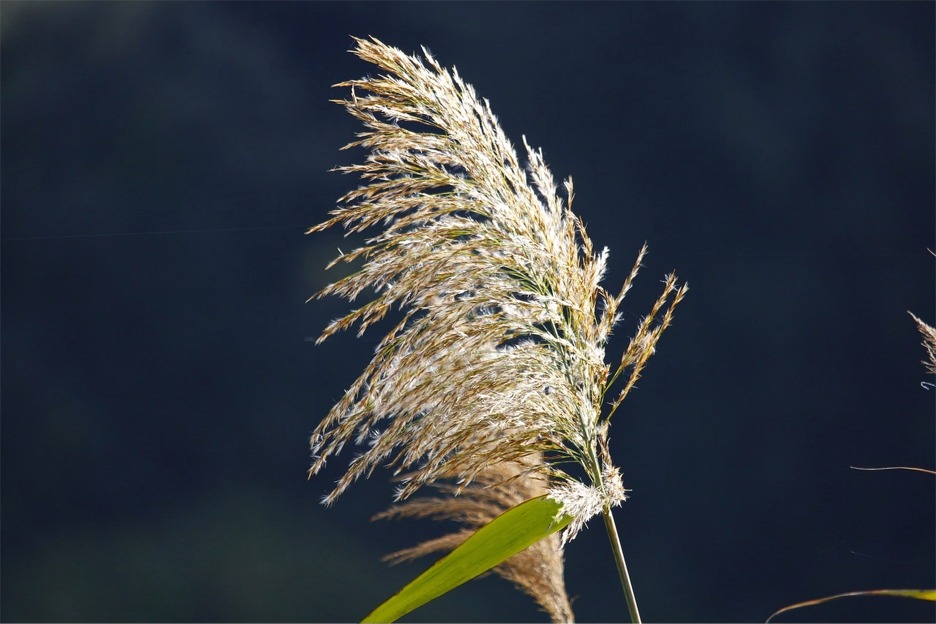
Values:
[(537, 571)]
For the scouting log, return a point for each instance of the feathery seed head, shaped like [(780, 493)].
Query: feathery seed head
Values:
[(500, 351), (929, 343)]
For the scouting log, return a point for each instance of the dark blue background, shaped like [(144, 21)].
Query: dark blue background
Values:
[(161, 161)]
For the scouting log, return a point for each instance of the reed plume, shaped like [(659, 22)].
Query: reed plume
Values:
[(496, 373), (929, 343)]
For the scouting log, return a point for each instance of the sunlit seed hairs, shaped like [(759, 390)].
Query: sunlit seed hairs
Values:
[(929, 343), (501, 349)]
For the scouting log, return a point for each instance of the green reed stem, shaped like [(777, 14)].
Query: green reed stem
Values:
[(621, 566)]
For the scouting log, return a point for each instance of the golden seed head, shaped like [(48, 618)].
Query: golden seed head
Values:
[(500, 353)]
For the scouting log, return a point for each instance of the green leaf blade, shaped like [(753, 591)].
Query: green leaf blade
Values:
[(511, 532)]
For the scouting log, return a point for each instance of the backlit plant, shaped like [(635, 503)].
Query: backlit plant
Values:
[(495, 380)]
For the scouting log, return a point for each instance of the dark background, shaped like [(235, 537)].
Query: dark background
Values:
[(161, 161)]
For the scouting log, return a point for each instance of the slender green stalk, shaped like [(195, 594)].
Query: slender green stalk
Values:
[(621, 566)]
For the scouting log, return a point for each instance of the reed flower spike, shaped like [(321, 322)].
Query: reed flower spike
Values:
[(929, 343), (500, 353)]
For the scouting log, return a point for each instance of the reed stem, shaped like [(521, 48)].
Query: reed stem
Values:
[(621, 566)]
